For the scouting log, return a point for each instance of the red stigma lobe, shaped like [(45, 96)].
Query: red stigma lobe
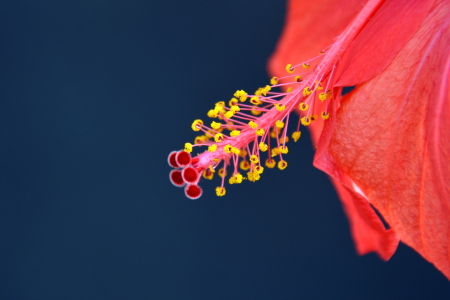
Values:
[(176, 178), (192, 191), (190, 175), (183, 158), (172, 159)]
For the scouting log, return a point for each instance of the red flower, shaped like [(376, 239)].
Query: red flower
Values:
[(384, 144), (388, 143)]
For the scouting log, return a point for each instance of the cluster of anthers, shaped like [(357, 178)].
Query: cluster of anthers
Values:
[(252, 124)]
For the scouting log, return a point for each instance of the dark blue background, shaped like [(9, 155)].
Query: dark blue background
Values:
[(94, 95)]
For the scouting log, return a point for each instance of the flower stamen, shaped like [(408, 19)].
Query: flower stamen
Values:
[(252, 126)]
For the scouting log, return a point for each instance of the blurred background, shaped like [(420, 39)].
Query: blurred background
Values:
[(93, 97)]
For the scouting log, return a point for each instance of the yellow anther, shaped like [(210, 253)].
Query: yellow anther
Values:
[(259, 92), (196, 125), (275, 151), (270, 163), (237, 93), (219, 110), (279, 124), (239, 178), (289, 68), (289, 89), (200, 139), (241, 95), (274, 133), (233, 101), (236, 178), (305, 121), (280, 107), (212, 148), (254, 159), (255, 100), (229, 114), (259, 132), (207, 174), (220, 107), (298, 78), (325, 115), (253, 124), (306, 65), (274, 80), (319, 86), (263, 147), (235, 108), (235, 150), (188, 147), (222, 172), (313, 118), (258, 169), (235, 133), (296, 135), (244, 165), (253, 176), (283, 139), (220, 191), (215, 125), (307, 91), (218, 137), (256, 111), (266, 89), (325, 96), (282, 164), (212, 113), (227, 148), (303, 106), (284, 149)]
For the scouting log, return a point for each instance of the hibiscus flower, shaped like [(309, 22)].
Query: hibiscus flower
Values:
[(384, 144)]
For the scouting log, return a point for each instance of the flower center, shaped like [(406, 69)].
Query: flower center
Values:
[(253, 124)]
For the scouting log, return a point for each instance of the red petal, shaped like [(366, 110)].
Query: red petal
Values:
[(310, 27), (387, 32), (391, 138), (367, 230)]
